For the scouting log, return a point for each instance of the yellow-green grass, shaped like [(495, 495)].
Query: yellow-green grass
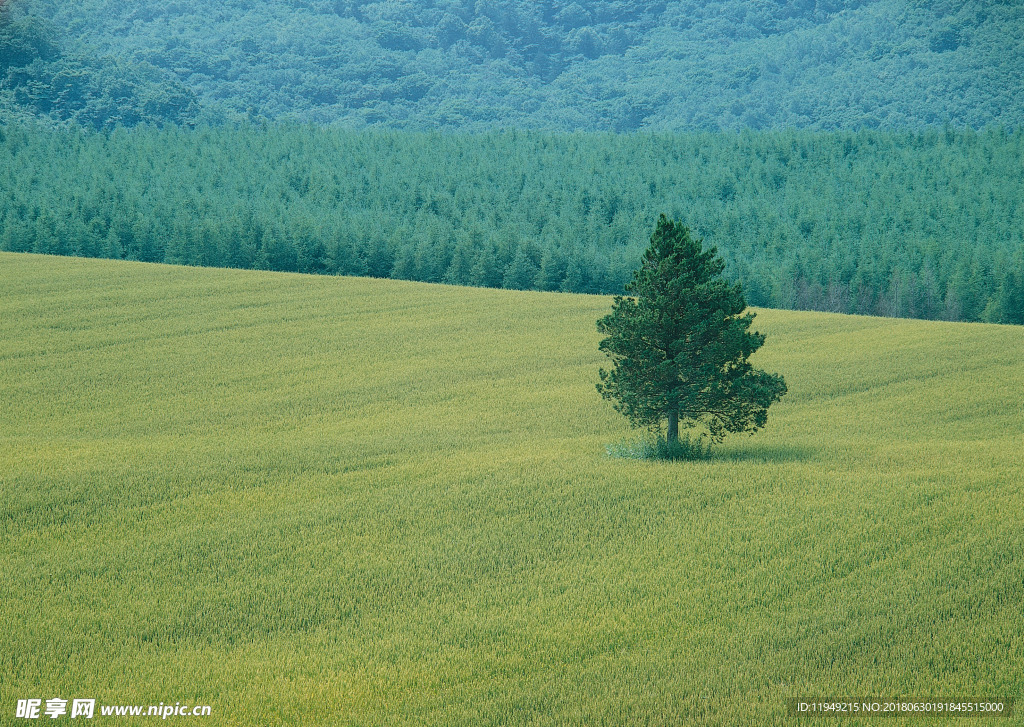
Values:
[(313, 500)]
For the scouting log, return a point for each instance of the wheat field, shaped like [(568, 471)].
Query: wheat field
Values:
[(315, 500)]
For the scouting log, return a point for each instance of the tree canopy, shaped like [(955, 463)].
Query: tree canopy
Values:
[(601, 65), (680, 344), (924, 224)]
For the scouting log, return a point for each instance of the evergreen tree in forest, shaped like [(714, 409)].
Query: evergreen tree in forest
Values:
[(521, 273)]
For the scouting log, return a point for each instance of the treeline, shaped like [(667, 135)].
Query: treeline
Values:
[(600, 65), (926, 224)]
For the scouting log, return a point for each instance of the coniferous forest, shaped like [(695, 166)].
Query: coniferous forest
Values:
[(859, 156), (925, 224)]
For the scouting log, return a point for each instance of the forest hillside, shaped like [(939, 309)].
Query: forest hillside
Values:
[(857, 157), (924, 225), (611, 65)]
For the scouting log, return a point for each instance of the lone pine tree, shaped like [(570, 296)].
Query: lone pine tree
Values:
[(679, 344)]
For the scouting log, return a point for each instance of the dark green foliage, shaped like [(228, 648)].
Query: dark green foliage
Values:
[(686, 447), (1007, 305), (521, 273), (913, 224), (680, 344), (39, 79), (609, 65)]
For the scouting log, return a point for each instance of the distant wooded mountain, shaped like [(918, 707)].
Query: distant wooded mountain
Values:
[(617, 65)]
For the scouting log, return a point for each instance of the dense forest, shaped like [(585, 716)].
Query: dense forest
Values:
[(924, 224), (567, 65), (848, 155)]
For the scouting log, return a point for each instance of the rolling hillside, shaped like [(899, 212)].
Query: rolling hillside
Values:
[(318, 500), (607, 65)]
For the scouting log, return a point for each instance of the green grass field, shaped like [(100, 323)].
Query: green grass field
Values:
[(339, 501)]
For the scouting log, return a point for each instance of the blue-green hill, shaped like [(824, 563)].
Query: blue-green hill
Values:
[(614, 65)]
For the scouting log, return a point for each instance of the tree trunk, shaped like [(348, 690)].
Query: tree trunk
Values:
[(673, 427)]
